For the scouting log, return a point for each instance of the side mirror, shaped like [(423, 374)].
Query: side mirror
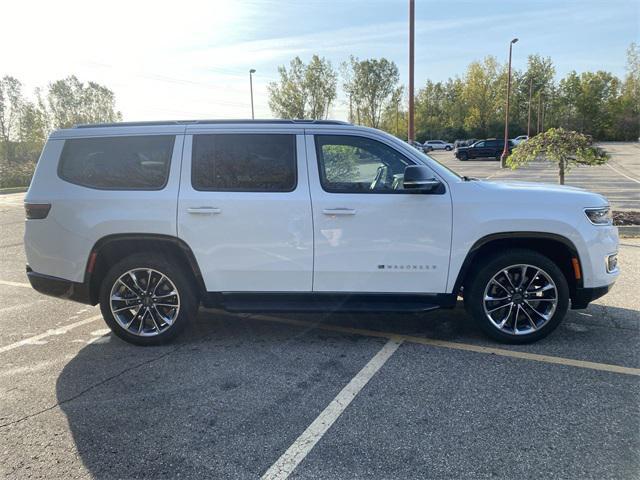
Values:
[(420, 179)]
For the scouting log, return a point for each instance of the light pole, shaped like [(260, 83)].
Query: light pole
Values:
[(505, 152), (251, 72), (412, 12), (529, 108)]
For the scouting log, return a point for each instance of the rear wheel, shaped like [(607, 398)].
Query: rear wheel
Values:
[(518, 296), (147, 300), (462, 156)]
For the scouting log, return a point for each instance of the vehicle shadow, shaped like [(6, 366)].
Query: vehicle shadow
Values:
[(233, 393)]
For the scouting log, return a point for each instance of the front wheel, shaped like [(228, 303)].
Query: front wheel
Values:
[(463, 157), (518, 296), (448, 148), (147, 300)]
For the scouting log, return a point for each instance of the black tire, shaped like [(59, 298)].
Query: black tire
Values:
[(474, 295), (187, 299), (448, 149), (463, 157)]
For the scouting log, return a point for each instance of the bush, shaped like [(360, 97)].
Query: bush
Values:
[(16, 174)]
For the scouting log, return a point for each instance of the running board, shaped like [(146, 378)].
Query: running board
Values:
[(322, 302)]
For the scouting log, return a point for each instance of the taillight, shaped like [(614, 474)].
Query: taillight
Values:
[(36, 211)]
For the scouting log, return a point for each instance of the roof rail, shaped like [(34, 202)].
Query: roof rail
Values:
[(210, 122)]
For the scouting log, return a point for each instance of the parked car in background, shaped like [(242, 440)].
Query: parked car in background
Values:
[(489, 148), (464, 143), (417, 145), (520, 139), (438, 145)]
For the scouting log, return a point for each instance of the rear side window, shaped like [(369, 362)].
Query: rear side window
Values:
[(117, 163), (244, 162)]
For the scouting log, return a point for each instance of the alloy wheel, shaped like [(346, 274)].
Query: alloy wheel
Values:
[(520, 299), (144, 302)]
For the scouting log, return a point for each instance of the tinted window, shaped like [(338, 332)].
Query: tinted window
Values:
[(244, 162), (117, 163), (492, 143), (350, 164), (479, 145)]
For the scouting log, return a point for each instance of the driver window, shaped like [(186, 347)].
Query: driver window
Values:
[(351, 164)]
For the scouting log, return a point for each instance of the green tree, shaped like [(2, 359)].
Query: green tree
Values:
[(626, 109), (539, 78), (11, 101), (483, 96), (369, 85), (567, 148), (32, 132), (394, 115), (304, 91), (71, 102)]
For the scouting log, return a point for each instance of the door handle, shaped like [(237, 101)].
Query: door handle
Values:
[(339, 211), (203, 210)]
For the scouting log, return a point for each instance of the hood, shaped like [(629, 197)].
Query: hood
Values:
[(545, 192)]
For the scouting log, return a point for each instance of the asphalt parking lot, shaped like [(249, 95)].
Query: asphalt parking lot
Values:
[(314, 396), (618, 180)]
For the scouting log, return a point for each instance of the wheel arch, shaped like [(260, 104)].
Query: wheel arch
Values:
[(111, 248), (559, 249)]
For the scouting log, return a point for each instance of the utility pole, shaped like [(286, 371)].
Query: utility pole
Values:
[(539, 112), (251, 72), (412, 13), (529, 109), (505, 151), (397, 123)]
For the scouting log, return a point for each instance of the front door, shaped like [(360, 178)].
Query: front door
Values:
[(244, 209), (371, 235)]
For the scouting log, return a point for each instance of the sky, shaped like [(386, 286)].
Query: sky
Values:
[(191, 59)]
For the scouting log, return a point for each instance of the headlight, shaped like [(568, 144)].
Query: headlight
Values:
[(599, 216)]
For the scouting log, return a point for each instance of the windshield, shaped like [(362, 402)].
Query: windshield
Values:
[(426, 159)]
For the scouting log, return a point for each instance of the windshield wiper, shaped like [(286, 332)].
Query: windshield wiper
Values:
[(469, 179)]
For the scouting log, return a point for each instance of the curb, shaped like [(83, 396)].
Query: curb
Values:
[(629, 231), (13, 190)]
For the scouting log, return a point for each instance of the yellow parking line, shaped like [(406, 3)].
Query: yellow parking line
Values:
[(605, 367)]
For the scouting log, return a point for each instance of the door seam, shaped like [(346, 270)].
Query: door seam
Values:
[(313, 223)]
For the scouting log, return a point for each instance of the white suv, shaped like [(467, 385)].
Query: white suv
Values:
[(153, 219), (438, 145)]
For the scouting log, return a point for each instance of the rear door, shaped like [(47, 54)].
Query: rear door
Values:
[(477, 150), (244, 208), (492, 148)]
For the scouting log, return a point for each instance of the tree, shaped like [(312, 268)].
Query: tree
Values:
[(304, 91), (394, 116), (484, 97), (626, 115), (567, 148), (10, 107), (71, 102), (370, 85)]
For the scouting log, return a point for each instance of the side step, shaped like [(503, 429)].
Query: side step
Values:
[(321, 302)]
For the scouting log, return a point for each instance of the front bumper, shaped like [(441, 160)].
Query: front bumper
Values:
[(584, 296), (59, 287)]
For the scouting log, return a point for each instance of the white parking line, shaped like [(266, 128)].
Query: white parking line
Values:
[(290, 459), (19, 306), (624, 175), (14, 284), (56, 331)]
